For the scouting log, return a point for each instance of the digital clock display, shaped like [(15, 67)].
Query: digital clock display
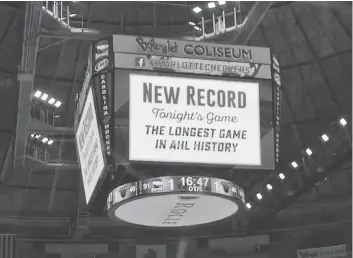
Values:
[(194, 184)]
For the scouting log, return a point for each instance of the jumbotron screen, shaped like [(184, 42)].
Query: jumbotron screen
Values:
[(197, 103), (199, 119)]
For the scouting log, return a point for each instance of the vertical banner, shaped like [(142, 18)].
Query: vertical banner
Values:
[(276, 78), (151, 251), (102, 83)]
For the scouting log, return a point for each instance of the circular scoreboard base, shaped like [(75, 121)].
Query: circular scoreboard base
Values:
[(175, 202)]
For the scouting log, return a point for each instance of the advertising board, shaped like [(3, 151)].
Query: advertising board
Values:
[(190, 49), (194, 66), (89, 147), (200, 121), (323, 252)]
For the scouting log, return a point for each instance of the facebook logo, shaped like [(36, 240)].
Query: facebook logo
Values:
[(140, 61)]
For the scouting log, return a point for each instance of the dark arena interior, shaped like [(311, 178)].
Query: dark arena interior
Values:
[(180, 129)]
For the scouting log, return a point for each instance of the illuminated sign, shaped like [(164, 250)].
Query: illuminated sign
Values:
[(89, 148), (192, 120), (190, 49)]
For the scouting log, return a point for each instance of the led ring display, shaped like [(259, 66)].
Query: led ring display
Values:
[(175, 201)]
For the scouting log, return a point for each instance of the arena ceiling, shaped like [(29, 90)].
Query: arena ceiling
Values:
[(314, 45)]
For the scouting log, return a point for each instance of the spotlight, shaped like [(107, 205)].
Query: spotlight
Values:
[(325, 137), (44, 140), (197, 9), (58, 103), (281, 176), (294, 164), (248, 205), (269, 187), (211, 5), (343, 122), (44, 96), (192, 23), (38, 93), (197, 28), (309, 152), (259, 196), (51, 101), (221, 2), (50, 142)]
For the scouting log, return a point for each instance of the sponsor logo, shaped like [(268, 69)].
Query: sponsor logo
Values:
[(180, 210), (140, 61), (101, 65), (102, 49), (152, 45), (157, 186), (275, 61), (218, 51), (276, 71)]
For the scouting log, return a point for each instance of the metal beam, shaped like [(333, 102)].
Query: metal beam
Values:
[(9, 26), (76, 248), (78, 228), (7, 164), (84, 34), (42, 165), (26, 87), (26, 74), (255, 16), (36, 126)]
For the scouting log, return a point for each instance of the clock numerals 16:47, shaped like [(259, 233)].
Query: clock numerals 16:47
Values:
[(190, 181)]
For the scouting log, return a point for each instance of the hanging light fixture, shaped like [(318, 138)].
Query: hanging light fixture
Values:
[(325, 137), (294, 164), (309, 152), (197, 9), (343, 122), (211, 5)]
